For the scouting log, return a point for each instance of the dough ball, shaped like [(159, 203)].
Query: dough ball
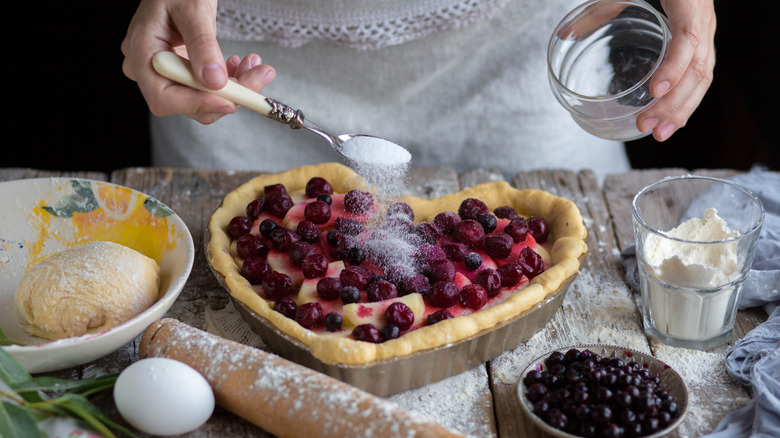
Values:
[(86, 289)]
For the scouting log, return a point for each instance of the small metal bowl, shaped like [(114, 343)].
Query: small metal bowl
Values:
[(670, 381)]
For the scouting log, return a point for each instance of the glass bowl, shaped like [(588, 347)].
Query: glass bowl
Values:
[(600, 60)]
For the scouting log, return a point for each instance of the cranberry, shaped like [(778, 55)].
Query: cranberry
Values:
[(355, 276), (309, 315), (277, 285), (318, 186), (517, 229), (298, 251), (531, 262), (317, 212), (367, 333), (349, 294), (399, 315), (473, 296), (511, 274), (398, 273), (442, 270), (277, 203), (308, 231), (254, 269), (418, 283), (472, 208), (488, 222), (328, 288), (238, 226), (381, 290), (399, 225), (266, 226), (538, 228), (428, 252), (429, 232), (499, 246), (274, 189), (286, 306), (505, 212), (333, 322), (469, 232), (446, 221), (283, 238), (402, 209), (389, 332), (314, 265), (349, 226), (250, 245), (255, 208), (443, 294), (472, 261), (490, 280), (455, 251), (356, 256), (439, 315), (358, 202)]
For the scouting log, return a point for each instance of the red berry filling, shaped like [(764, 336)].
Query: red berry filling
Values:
[(326, 264)]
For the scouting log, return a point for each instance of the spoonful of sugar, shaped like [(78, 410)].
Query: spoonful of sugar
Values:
[(357, 148)]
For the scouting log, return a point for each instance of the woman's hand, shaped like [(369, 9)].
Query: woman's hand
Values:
[(187, 27), (686, 73)]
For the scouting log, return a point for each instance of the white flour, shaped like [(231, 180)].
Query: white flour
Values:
[(703, 266), (695, 307)]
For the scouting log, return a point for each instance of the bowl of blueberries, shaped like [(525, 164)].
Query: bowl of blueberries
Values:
[(602, 391)]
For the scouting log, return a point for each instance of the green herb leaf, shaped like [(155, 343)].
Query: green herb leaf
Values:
[(11, 372), (28, 401), (17, 422), (4, 340), (47, 383)]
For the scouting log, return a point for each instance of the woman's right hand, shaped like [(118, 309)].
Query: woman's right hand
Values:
[(188, 28)]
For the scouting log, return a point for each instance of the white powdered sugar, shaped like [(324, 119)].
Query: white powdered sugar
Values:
[(382, 163)]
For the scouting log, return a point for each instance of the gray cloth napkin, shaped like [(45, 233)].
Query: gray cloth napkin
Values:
[(753, 360)]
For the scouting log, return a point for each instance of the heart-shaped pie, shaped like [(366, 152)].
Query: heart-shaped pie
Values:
[(358, 282), (355, 293)]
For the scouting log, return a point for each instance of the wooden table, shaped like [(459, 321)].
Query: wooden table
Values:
[(482, 402)]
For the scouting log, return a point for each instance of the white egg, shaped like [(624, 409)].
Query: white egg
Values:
[(162, 396)]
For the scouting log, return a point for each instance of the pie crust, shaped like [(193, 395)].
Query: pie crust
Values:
[(567, 248)]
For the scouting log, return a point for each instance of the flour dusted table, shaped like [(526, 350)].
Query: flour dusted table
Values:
[(481, 402)]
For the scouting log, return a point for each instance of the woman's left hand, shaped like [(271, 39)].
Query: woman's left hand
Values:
[(685, 75)]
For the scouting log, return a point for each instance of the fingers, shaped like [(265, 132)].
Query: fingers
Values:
[(686, 74), (196, 22), (187, 27)]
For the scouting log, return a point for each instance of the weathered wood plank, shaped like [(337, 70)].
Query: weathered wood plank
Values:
[(598, 307), (463, 402), (713, 394), (10, 174)]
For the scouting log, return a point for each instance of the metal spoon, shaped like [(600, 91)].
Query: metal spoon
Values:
[(178, 69)]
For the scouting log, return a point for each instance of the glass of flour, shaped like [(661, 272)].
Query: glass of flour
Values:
[(695, 241)]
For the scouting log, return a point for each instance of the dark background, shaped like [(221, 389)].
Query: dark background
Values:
[(75, 109)]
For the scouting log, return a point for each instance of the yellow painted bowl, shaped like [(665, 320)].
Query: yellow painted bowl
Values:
[(42, 216)]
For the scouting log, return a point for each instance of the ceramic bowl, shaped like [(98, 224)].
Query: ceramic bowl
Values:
[(670, 381), (42, 216)]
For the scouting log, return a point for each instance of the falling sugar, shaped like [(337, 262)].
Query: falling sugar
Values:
[(383, 165)]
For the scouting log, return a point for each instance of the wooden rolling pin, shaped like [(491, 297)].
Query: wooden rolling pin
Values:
[(280, 396)]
